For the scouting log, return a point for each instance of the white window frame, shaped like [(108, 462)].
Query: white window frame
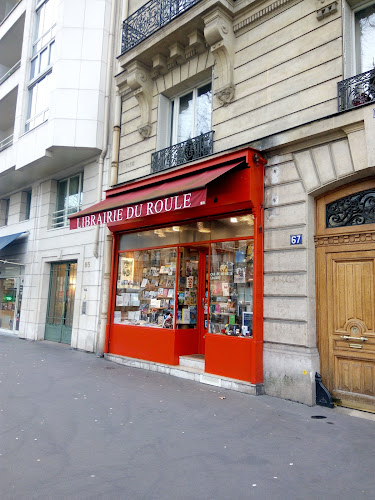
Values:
[(168, 114), (350, 8), (60, 217), (46, 41)]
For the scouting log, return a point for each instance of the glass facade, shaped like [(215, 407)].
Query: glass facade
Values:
[(191, 282), (10, 303)]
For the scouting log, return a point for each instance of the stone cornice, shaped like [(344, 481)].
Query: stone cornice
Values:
[(261, 13), (342, 239)]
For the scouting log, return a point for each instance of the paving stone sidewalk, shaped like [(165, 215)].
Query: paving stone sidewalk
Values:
[(74, 426)]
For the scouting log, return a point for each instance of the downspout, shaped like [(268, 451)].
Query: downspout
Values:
[(108, 241), (117, 112), (107, 100)]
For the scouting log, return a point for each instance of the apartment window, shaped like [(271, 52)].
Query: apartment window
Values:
[(184, 128), (41, 63), (28, 205), (4, 212), (69, 200), (191, 114), (364, 21)]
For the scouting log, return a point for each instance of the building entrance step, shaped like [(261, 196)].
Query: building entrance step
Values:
[(192, 361)]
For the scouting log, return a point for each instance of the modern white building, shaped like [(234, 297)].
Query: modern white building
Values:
[(55, 83)]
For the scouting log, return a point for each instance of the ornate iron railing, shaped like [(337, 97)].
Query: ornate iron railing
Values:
[(149, 18), (353, 210), (356, 91), (183, 152)]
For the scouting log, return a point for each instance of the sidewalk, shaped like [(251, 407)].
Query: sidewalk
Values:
[(74, 426)]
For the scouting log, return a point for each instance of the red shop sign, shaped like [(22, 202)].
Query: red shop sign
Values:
[(151, 207)]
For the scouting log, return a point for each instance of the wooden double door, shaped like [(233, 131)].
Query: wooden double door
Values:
[(346, 294)]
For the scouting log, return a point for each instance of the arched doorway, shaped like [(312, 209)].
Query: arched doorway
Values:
[(345, 278)]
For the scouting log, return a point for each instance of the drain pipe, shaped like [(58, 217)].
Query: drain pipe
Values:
[(106, 274), (108, 241)]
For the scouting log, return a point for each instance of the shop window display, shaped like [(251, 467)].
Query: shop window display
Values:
[(231, 288), (195, 283), (146, 283)]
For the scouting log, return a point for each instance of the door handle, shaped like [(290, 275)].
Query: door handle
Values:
[(347, 337)]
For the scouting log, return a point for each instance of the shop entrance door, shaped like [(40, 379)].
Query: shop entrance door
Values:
[(61, 302), (192, 294)]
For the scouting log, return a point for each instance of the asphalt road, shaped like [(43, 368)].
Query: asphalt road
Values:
[(73, 426)]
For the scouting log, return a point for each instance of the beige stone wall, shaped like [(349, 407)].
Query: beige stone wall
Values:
[(286, 67)]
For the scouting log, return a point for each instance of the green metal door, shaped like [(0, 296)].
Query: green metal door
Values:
[(61, 302)]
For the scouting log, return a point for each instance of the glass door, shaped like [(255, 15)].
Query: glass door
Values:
[(61, 302), (192, 293)]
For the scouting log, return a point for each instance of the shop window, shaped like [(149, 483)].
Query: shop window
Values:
[(69, 200), (41, 64), (231, 288), (146, 283), (191, 283)]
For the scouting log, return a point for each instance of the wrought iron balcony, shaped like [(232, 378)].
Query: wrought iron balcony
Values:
[(183, 152), (356, 91), (149, 18)]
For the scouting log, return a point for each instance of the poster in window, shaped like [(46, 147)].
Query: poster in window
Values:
[(126, 268)]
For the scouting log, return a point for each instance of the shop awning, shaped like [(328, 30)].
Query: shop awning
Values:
[(173, 194), (5, 240)]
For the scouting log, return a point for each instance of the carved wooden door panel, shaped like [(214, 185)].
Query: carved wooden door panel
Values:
[(351, 327)]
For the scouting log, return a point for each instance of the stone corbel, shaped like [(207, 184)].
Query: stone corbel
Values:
[(140, 82), (220, 37), (176, 55), (325, 8), (197, 44), (159, 65)]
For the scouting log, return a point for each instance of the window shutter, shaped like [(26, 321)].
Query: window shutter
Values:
[(164, 123)]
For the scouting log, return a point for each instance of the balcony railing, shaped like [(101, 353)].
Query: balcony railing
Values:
[(5, 143), (149, 18), (356, 91), (10, 72), (183, 152), (60, 217)]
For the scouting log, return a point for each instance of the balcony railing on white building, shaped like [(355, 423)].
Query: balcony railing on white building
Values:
[(10, 72), (36, 120), (149, 18), (5, 143), (60, 217)]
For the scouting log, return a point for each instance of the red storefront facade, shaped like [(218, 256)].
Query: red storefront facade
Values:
[(187, 265)]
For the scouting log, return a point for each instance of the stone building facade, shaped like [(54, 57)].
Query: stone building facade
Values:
[(275, 67)]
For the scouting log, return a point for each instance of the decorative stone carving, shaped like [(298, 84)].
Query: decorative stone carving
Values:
[(139, 80), (325, 8), (219, 35), (197, 44), (177, 55), (159, 65)]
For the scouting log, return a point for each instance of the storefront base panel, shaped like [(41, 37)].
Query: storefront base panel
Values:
[(152, 344), (190, 374), (232, 357)]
